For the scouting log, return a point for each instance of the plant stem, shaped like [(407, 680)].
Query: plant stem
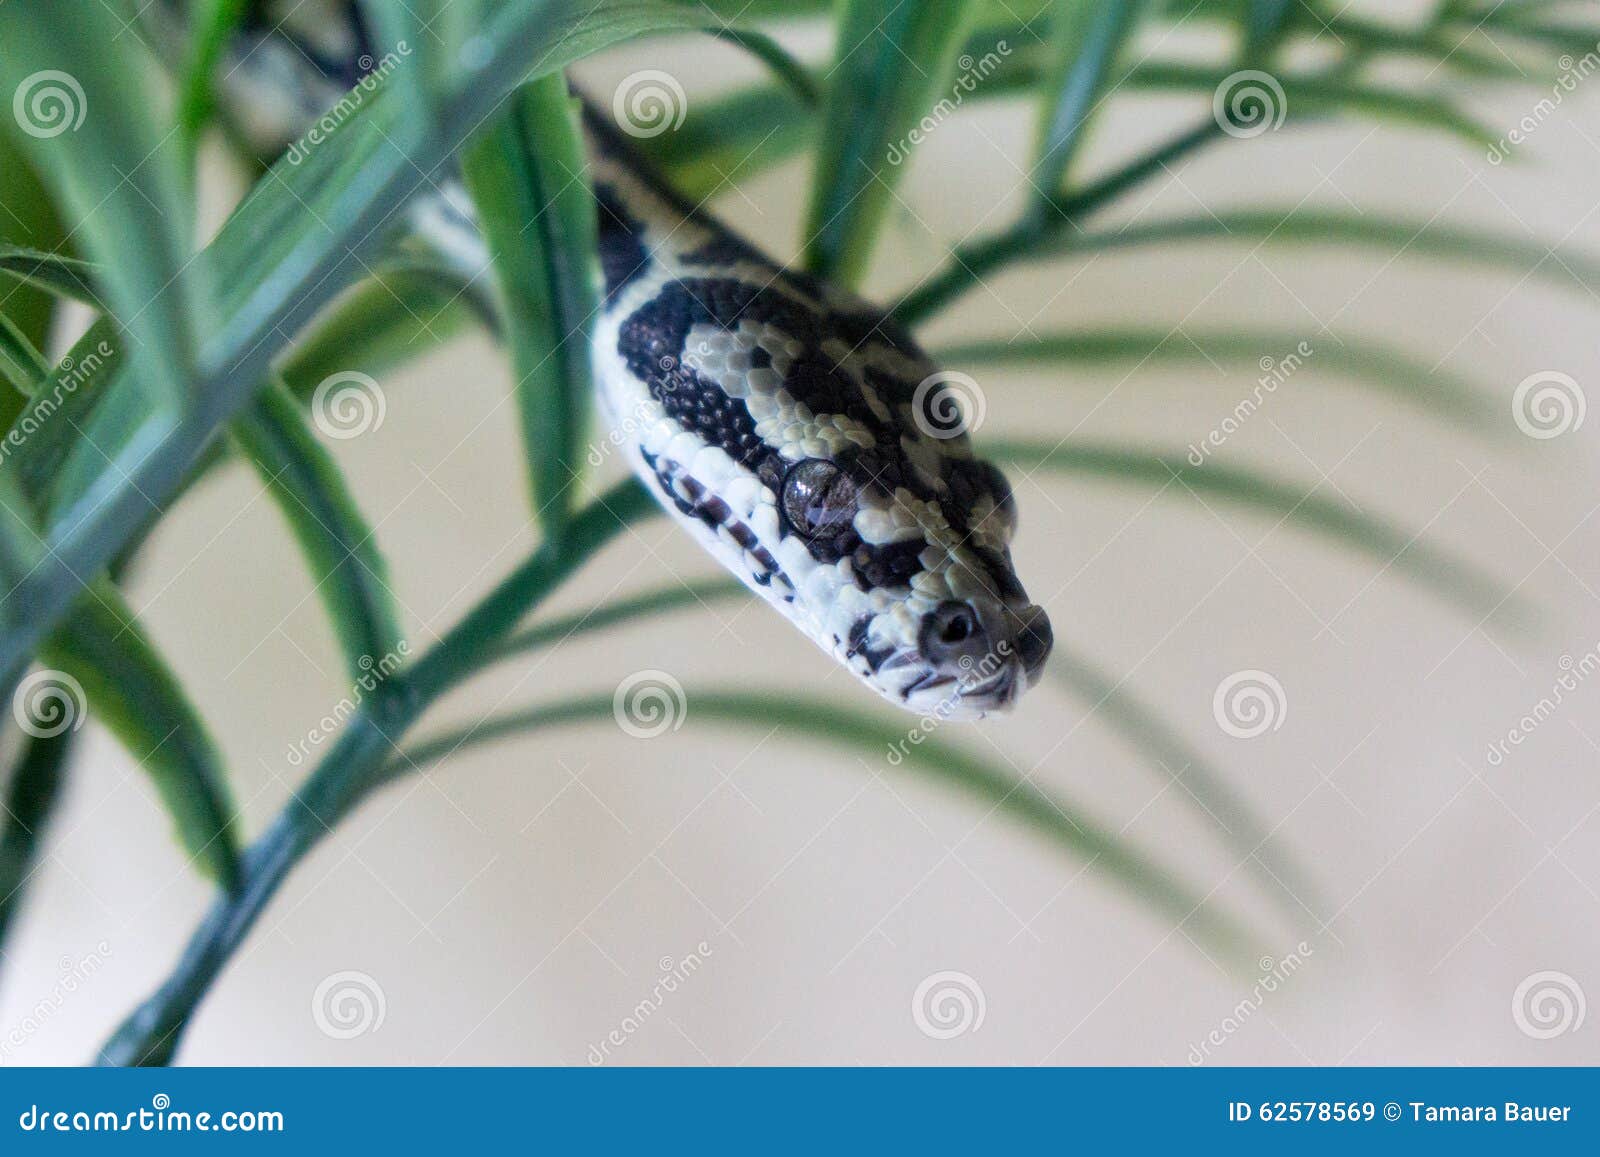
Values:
[(150, 1035), (970, 262)]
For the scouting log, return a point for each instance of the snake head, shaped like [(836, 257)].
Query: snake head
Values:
[(962, 639)]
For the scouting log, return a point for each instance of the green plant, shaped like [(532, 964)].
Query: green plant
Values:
[(203, 359)]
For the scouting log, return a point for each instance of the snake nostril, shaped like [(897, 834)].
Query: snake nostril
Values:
[(957, 629), (949, 631)]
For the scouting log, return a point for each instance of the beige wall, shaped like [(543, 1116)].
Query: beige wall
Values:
[(515, 906)]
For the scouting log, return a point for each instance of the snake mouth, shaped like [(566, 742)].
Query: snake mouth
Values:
[(959, 693)]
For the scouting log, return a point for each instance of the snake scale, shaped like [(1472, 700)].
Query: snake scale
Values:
[(797, 432)]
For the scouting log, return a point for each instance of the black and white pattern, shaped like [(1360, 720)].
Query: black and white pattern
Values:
[(773, 415)]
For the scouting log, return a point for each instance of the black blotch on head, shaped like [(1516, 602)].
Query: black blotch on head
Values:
[(623, 255), (887, 566), (874, 656), (725, 249), (1000, 577), (652, 342)]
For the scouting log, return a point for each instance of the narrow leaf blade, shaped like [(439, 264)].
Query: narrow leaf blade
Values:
[(129, 688), (887, 74), (526, 175), (339, 546)]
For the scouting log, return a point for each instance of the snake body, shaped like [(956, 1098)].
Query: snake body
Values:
[(797, 432)]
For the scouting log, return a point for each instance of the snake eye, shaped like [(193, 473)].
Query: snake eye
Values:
[(818, 498)]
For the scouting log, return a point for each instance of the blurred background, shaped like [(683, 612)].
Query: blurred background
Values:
[(522, 902)]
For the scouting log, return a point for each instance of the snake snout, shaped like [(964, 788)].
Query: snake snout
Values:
[(988, 645), (1033, 639)]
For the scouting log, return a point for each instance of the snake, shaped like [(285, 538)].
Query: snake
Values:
[(797, 432)]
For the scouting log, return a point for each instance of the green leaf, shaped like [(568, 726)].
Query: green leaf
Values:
[(1328, 229), (298, 240), (31, 794), (878, 742), (1520, 22), (784, 66), (383, 322), (889, 69), (747, 10), (418, 35), (214, 25), (52, 273), (1317, 96), (559, 630), (1373, 364), (526, 176), (1087, 37), (127, 686), (28, 220), (107, 662), (86, 93), (20, 364), (749, 130), (339, 547), (732, 138), (1026, 240), (46, 427), (1432, 44), (1444, 573), (1264, 22)]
